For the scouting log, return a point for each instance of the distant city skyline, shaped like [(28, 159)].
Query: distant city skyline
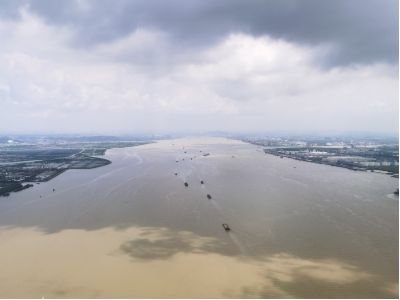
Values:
[(157, 67)]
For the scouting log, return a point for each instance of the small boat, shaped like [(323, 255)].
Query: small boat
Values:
[(186, 184), (202, 182), (176, 174), (226, 227), (208, 196), (53, 190)]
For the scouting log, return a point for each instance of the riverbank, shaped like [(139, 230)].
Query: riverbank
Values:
[(30, 164)]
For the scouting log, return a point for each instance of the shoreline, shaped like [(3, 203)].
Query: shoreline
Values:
[(318, 160), (78, 161)]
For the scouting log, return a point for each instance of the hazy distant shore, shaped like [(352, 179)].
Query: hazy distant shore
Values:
[(35, 163), (363, 154)]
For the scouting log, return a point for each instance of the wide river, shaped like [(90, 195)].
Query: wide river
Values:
[(132, 228)]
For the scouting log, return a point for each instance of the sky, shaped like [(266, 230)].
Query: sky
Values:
[(156, 66)]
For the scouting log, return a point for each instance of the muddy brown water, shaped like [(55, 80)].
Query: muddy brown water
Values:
[(132, 228)]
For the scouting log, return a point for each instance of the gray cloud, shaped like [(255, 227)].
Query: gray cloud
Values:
[(357, 31), (158, 66)]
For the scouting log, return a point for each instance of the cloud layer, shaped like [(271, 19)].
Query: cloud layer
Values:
[(135, 66)]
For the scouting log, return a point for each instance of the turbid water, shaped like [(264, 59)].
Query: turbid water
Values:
[(132, 229)]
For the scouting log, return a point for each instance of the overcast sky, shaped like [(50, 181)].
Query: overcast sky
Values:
[(117, 67)]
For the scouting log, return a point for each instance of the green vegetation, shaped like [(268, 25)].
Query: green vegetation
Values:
[(7, 187), (38, 163)]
